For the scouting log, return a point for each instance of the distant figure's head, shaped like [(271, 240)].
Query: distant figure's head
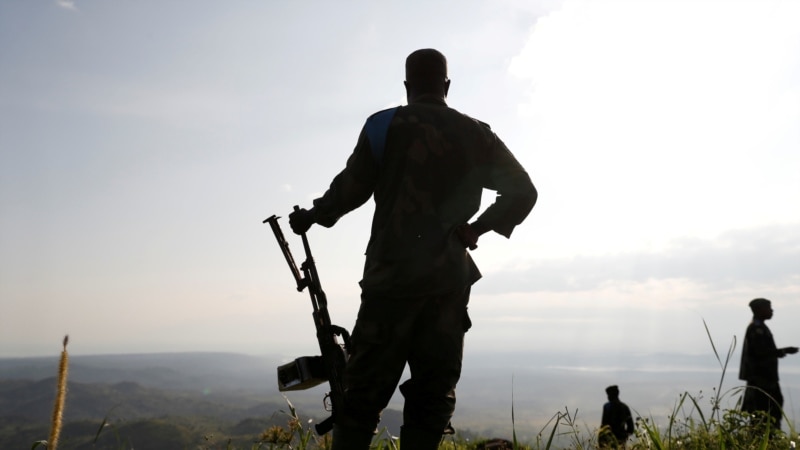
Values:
[(426, 74), (612, 392), (762, 308)]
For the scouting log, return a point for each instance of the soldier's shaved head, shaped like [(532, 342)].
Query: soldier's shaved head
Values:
[(426, 74), (426, 65)]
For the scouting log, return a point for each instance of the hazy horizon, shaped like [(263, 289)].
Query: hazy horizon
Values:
[(539, 385)]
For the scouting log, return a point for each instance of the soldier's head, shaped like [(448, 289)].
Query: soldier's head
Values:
[(612, 392), (762, 308), (426, 74)]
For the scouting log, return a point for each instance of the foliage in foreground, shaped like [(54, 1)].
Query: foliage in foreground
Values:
[(736, 430), (688, 428)]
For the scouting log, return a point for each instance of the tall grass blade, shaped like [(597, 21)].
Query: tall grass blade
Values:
[(723, 365), (713, 347), (764, 441), (553, 432), (103, 425), (654, 436), (700, 412), (513, 425)]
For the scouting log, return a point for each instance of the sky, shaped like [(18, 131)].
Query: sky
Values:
[(142, 144)]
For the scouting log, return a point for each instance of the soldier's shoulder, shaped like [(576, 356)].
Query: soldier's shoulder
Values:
[(482, 123), (383, 112), (470, 118)]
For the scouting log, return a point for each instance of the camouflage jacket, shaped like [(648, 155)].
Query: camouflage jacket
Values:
[(426, 169), (759, 354)]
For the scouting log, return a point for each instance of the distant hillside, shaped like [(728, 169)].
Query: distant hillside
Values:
[(163, 401), (145, 417), (230, 386), (33, 401), (184, 371)]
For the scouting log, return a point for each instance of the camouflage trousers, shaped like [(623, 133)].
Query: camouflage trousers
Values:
[(427, 333)]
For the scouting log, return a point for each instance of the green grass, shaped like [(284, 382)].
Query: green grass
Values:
[(687, 428)]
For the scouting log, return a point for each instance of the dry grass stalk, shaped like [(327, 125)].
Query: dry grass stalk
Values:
[(61, 394)]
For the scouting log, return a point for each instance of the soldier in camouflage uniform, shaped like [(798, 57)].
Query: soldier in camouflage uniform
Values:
[(426, 166), (760, 365)]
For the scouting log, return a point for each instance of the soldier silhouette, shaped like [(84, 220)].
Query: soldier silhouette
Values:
[(616, 423), (759, 365), (426, 166)]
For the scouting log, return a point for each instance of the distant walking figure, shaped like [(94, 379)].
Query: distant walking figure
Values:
[(760, 365), (617, 422)]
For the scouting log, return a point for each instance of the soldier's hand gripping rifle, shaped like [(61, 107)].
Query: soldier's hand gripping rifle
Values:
[(308, 371)]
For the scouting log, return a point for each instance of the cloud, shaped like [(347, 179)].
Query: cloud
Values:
[(530, 320), (759, 256), (655, 120), (67, 4), (669, 52)]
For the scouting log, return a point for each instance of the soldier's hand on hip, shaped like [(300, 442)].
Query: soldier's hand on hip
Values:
[(468, 236)]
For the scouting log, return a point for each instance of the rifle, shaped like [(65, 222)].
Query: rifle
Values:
[(309, 371)]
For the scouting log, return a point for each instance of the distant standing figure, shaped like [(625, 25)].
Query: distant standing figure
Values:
[(617, 422), (760, 364)]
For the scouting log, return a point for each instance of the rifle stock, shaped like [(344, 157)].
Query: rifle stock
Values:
[(308, 371)]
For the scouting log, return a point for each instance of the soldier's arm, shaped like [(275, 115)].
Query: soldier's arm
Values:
[(761, 347), (629, 422), (606, 419), (516, 194), (351, 188)]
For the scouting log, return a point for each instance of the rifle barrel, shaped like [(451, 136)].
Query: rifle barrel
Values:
[(287, 254)]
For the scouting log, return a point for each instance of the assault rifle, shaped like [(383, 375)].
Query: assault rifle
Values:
[(309, 371)]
